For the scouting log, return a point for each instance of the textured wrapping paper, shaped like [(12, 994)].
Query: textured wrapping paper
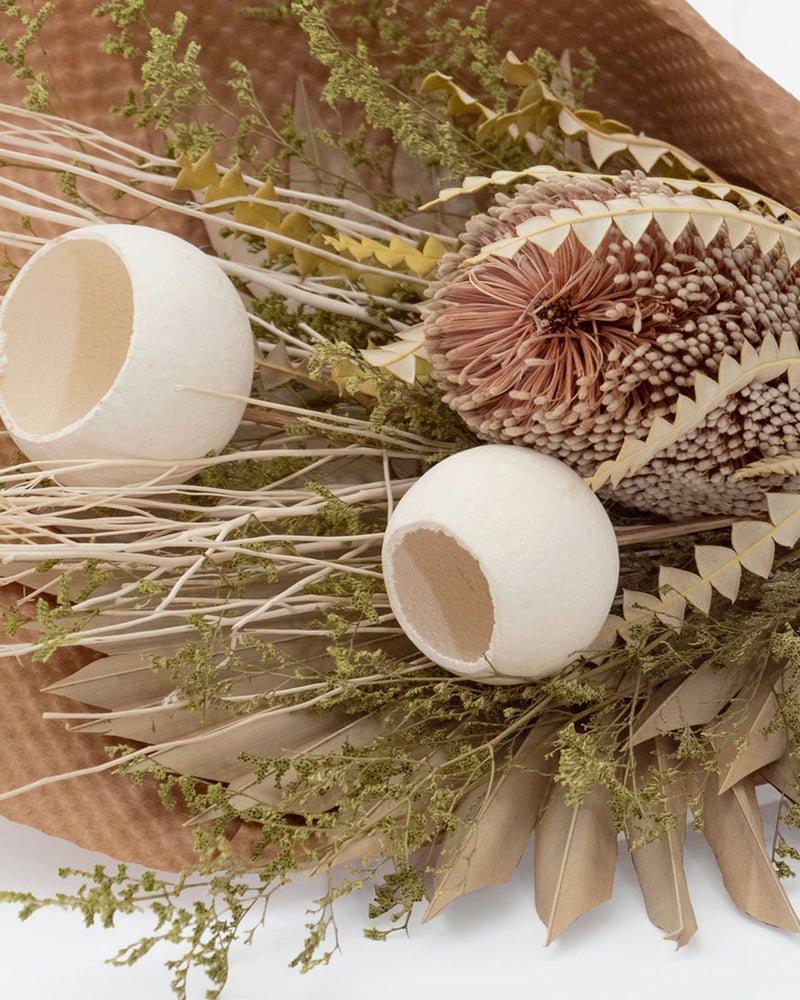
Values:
[(663, 71)]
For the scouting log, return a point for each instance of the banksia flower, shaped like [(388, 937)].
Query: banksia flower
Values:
[(573, 351)]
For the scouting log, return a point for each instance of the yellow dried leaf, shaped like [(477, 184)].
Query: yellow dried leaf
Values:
[(252, 213), (343, 372), (295, 225), (205, 169), (186, 179), (230, 185), (380, 285), (780, 465)]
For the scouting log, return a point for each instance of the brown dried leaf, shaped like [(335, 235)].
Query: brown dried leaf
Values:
[(745, 745), (732, 826), (118, 681), (214, 754), (691, 701), (575, 859), (659, 863), (499, 820), (783, 774), (154, 723)]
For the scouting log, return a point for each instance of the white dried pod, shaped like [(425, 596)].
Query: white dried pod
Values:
[(110, 337), (500, 564)]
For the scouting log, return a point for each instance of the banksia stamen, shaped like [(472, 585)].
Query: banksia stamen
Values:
[(573, 351)]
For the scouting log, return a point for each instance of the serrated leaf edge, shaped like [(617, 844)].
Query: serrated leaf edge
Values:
[(670, 606), (770, 361)]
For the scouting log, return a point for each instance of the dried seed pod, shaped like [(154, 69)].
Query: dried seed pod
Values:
[(500, 564), (573, 351), (110, 337)]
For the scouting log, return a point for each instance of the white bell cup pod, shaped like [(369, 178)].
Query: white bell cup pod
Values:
[(500, 564), (110, 337)]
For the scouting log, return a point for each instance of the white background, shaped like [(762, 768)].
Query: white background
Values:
[(489, 944), (766, 31)]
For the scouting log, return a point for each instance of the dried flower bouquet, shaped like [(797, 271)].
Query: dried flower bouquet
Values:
[(586, 291)]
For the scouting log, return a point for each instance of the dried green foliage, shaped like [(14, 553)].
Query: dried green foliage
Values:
[(26, 29), (407, 44)]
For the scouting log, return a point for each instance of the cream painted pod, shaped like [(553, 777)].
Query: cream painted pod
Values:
[(500, 564), (106, 335)]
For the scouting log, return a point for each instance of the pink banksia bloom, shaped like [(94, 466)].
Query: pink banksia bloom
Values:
[(570, 353)]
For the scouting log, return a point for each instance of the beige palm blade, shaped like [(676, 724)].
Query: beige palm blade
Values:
[(108, 627), (27, 573), (745, 742), (320, 160), (411, 173), (575, 857), (171, 719), (252, 790), (719, 568), (733, 827), (659, 862), (124, 680), (498, 819), (215, 752), (154, 724), (118, 681), (783, 773), (692, 700), (120, 633), (52, 581)]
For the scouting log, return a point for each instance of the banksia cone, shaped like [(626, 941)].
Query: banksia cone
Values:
[(573, 351)]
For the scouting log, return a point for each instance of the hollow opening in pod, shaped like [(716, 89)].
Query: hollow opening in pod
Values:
[(443, 595), (66, 326)]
